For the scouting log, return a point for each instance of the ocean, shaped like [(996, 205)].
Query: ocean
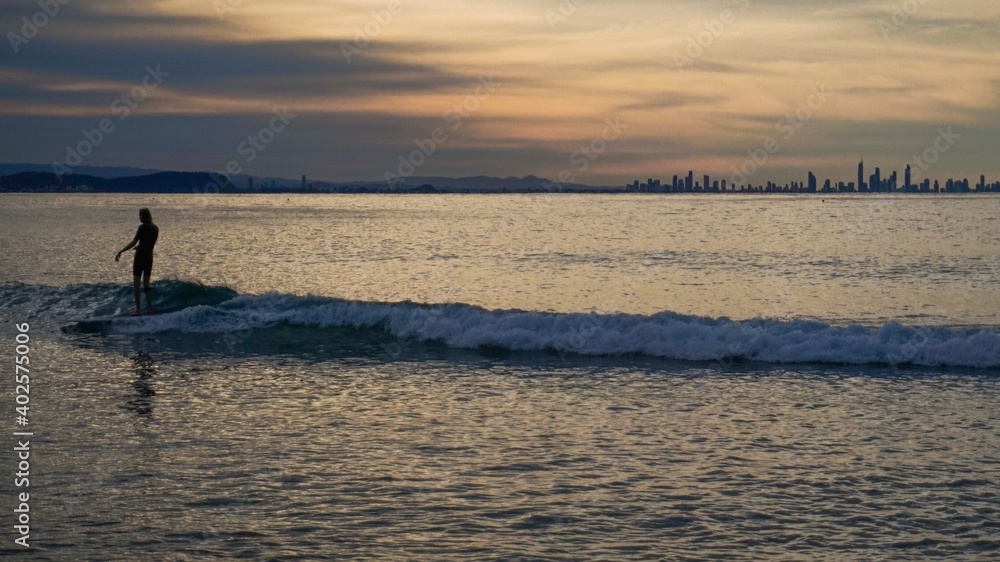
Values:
[(504, 377)]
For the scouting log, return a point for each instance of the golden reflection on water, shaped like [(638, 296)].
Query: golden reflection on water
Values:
[(445, 458), (918, 260)]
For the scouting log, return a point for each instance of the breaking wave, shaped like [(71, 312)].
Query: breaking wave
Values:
[(194, 308)]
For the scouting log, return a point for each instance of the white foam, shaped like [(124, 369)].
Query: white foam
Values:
[(666, 334)]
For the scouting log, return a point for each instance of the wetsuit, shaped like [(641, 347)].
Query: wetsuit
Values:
[(143, 261)]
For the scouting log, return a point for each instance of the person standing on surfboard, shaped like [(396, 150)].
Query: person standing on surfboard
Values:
[(142, 264)]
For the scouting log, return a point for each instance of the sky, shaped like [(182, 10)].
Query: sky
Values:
[(590, 91)]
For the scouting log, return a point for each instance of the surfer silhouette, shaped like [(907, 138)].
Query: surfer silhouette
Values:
[(142, 264)]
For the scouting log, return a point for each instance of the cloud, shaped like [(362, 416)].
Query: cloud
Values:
[(558, 79)]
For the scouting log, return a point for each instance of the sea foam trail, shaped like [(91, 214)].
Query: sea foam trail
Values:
[(666, 334)]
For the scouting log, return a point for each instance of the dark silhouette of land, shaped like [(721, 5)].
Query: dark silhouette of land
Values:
[(118, 180), (160, 182)]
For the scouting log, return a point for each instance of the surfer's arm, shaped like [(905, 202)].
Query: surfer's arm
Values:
[(126, 248)]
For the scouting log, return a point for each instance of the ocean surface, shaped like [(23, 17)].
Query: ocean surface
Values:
[(507, 377)]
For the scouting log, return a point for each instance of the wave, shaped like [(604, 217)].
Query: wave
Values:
[(194, 308), (80, 301)]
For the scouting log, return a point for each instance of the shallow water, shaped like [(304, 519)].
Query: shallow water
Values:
[(289, 440)]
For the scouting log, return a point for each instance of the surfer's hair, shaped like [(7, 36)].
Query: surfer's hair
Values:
[(145, 216)]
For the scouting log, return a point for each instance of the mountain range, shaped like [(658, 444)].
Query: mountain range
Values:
[(103, 179)]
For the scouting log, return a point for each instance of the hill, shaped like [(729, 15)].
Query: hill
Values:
[(159, 182)]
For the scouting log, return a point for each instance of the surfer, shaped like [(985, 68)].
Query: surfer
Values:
[(142, 264)]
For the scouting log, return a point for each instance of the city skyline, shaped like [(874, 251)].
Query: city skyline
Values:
[(594, 91), (874, 183)]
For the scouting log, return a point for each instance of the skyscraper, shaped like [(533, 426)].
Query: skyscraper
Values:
[(861, 175), (906, 186)]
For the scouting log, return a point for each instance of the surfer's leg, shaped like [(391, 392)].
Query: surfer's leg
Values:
[(138, 303), (148, 290), (137, 277)]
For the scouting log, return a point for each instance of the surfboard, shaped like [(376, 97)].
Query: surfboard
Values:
[(98, 325)]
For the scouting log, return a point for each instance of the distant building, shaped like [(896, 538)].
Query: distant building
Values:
[(876, 184)]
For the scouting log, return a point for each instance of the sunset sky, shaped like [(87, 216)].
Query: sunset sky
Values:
[(516, 87)]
